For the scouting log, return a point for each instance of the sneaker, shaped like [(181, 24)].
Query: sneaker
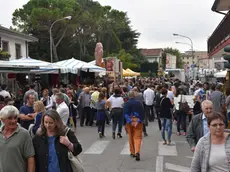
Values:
[(184, 134), (169, 142), (137, 157), (145, 134), (178, 133), (132, 155), (100, 135)]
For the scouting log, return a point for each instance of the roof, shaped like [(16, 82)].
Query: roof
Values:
[(18, 34), (151, 52), (221, 5)]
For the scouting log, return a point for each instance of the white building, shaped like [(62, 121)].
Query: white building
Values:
[(15, 43)]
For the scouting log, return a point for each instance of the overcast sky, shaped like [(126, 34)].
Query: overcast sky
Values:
[(156, 20)]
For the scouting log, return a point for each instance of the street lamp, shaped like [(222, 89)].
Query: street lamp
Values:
[(175, 34), (51, 37), (183, 43)]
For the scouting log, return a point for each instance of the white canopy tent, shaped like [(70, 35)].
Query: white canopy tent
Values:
[(28, 65), (221, 74), (73, 66)]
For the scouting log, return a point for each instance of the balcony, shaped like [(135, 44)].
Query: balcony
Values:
[(220, 37)]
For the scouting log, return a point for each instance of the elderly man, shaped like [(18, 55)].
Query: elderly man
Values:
[(134, 115), (198, 127), (62, 108), (17, 152), (85, 100)]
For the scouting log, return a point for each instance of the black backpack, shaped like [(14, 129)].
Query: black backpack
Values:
[(157, 100)]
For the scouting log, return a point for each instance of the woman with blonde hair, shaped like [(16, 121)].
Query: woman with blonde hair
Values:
[(52, 143), (39, 109)]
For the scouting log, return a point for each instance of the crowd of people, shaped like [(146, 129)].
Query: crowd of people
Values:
[(38, 129)]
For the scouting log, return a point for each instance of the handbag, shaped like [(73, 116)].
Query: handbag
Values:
[(183, 106), (75, 162)]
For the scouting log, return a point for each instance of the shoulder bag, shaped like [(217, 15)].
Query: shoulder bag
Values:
[(75, 162)]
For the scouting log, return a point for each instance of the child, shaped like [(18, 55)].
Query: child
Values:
[(101, 115)]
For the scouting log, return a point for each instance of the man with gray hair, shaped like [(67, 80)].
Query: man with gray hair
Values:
[(198, 126), (62, 108), (16, 147)]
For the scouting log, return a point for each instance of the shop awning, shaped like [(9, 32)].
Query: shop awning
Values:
[(221, 74), (29, 65), (73, 66)]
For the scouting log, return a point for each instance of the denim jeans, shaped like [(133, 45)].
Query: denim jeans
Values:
[(166, 126)]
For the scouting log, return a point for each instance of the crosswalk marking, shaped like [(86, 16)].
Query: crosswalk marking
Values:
[(159, 164), (97, 148), (176, 167), (125, 150), (167, 150)]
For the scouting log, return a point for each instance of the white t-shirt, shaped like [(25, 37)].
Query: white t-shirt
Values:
[(170, 95), (149, 96), (116, 102), (63, 111), (218, 158)]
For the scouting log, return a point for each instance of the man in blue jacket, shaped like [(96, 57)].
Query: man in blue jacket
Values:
[(134, 116)]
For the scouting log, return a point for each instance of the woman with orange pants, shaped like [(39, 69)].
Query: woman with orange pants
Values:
[(134, 116)]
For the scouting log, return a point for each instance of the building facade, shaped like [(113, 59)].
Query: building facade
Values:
[(15, 43), (200, 58), (153, 55)]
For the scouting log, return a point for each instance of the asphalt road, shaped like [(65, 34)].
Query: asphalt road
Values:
[(108, 155)]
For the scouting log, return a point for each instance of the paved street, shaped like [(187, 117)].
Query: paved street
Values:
[(108, 155)]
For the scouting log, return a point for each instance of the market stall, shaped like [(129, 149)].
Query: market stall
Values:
[(74, 66)]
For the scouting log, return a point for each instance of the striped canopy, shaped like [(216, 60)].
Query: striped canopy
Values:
[(29, 65), (73, 66)]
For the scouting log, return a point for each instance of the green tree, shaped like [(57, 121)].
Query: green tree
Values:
[(91, 23), (175, 52), (126, 58)]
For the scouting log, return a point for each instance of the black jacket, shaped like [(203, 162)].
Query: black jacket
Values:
[(41, 147), (165, 108)]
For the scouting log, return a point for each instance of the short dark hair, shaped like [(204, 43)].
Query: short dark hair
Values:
[(164, 91), (117, 91), (213, 86), (125, 89), (215, 115), (32, 86), (166, 86), (62, 90)]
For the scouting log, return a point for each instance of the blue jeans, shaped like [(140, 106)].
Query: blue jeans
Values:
[(166, 126)]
